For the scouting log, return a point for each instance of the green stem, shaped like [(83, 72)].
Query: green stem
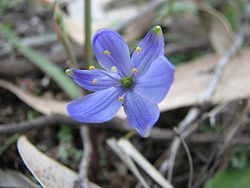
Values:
[(87, 27), (130, 134)]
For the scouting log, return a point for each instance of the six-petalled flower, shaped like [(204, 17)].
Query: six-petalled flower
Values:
[(138, 84)]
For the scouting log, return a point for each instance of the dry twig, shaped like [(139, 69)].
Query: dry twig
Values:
[(195, 112), (40, 122), (84, 165), (191, 173), (158, 134), (130, 150), (227, 143), (113, 144)]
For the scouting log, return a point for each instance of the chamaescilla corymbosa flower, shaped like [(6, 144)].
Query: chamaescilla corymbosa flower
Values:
[(138, 84)]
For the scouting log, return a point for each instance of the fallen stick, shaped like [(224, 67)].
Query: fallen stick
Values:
[(130, 150), (113, 144), (195, 112), (158, 134), (87, 151)]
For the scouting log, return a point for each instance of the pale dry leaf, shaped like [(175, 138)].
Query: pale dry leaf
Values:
[(41, 104), (134, 30), (48, 172), (11, 178), (192, 78), (219, 29)]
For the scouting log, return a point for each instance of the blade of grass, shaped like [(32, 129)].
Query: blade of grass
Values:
[(9, 142), (62, 35), (49, 68)]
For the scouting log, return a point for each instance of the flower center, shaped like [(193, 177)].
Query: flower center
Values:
[(127, 81)]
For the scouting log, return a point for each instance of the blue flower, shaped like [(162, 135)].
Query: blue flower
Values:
[(138, 84)]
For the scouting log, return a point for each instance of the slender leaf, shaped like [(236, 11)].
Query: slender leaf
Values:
[(43, 63)]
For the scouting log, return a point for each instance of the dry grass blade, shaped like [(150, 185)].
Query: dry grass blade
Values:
[(143, 163), (219, 29), (42, 105), (190, 160), (113, 144), (227, 142)]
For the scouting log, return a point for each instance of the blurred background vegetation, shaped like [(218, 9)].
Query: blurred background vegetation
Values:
[(40, 39)]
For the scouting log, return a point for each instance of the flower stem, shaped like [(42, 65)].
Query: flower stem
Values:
[(87, 28), (130, 134)]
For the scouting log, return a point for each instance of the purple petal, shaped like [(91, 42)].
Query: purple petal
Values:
[(150, 48), (117, 51), (141, 113), (155, 83), (98, 107), (93, 80)]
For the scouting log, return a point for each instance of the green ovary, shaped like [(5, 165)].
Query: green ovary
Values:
[(127, 82)]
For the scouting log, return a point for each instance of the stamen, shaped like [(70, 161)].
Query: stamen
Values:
[(158, 30), (113, 69), (94, 81), (69, 72), (121, 99), (134, 70), (91, 67), (106, 52), (138, 49)]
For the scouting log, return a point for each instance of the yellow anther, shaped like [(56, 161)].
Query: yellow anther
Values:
[(134, 70), (69, 72), (91, 67), (158, 30), (94, 81), (138, 49), (106, 52), (113, 69), (121, 99)]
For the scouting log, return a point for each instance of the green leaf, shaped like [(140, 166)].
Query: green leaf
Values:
[(233, 10), (230, 179), (184, 6), (178, 8), (43, 63), (65, 134), (238, 160)]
